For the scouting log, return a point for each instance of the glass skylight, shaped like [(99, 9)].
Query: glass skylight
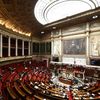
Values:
[(47, 11)]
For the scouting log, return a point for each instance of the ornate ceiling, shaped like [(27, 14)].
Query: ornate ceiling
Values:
[(47, 11), (18, 15)]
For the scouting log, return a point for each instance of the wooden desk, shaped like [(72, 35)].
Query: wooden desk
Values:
[(91, 88), (38, 97), (96, 90), (65, 81), (25, 88), (19, 90), (11, 93)]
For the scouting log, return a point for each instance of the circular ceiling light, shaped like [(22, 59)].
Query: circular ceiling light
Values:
[(47, 11)]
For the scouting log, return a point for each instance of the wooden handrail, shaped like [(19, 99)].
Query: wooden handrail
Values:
[(30, 86), (91, 88), (11, 92), (19, 90), (25, 88), (38, 97), (96, 90)]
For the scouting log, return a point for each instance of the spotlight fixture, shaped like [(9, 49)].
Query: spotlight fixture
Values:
[(54, 27), (42, 32), (95, 16)]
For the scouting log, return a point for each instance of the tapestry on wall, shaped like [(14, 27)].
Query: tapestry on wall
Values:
[(74, 46), (95, 45)]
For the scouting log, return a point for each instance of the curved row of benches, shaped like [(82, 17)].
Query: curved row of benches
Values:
[(15, 80), (30, 83)]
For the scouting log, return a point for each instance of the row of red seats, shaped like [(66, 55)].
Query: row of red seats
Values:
[(25, 71), (88, 71)]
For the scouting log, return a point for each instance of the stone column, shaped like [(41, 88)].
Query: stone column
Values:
[(0, 45), (29, 48), (22, 47), (87, 43), (16, 47), (9, 46)]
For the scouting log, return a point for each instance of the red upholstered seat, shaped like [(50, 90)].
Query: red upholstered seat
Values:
[(11, 76), (70, 96), (0, 88), (5, 76)]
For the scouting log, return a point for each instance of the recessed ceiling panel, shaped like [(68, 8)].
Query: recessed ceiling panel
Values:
[(47, 11)]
